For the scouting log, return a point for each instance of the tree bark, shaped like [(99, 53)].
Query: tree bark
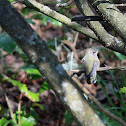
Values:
[(112, 15), (42, 57), (105, 38), (96, 32)]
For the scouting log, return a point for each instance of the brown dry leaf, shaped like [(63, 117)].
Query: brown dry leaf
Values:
[(10, 59), (92, 88), (36, 26)]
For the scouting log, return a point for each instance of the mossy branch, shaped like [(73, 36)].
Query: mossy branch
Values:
[(105, 38), (98, 32), (112, 15)]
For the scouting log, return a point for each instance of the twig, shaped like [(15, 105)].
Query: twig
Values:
[(59, 51), (76, 37), (71, 46), (112, 68), (19, 109), (9, 106), (120, 5), (102, 69), (71, 60), (84, 30), (64, 4), (72, 54), (102, 108)]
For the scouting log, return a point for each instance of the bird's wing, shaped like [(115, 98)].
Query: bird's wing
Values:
[(88, 63), (93, 70)]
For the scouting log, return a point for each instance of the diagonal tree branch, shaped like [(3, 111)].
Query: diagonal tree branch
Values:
[(112, 15), (42, 57), (57, 16), (105, 38)]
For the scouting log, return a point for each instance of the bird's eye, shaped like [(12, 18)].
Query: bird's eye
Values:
[(94, 52)]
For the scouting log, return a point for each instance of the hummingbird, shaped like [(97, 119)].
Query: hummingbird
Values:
[(91, 65)]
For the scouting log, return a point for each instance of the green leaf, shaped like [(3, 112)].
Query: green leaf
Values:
[(32, 71), (119, 56), (68, 118), (23, 88), (51, 43), (123, 90), (44, 87), (21, 53), (30, 121), (45, 19), (11, 1), (29, 20), (43, 108), (56, 23), (4, 121), (7, 43), (27, 119)]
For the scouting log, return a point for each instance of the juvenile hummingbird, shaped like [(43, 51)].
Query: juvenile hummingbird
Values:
[(91, 65)]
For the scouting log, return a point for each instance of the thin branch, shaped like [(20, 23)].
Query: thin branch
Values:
[(74, 51), (112, 15), (64, 4), (112, 68), (71, 60), (19, 109), (120, 5), (104, 38), (71, 46), (61, 18), (8, 103), (100, 107), (102, 69), (75, 40)]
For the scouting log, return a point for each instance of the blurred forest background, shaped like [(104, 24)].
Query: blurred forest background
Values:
[(23, 90)]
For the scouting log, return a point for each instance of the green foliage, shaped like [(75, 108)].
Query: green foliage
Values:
[(44, 87), (23, 88), (43, 108), (26, 118), (107, 120), (51, 43), (32, 72), (4, 122), (123, 90), (21, 53), (43, 18), (7, 43), (114, 55), (11, 0), (30, 121), (68, 118), (119, 56), (115, 91), (29, 20)]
